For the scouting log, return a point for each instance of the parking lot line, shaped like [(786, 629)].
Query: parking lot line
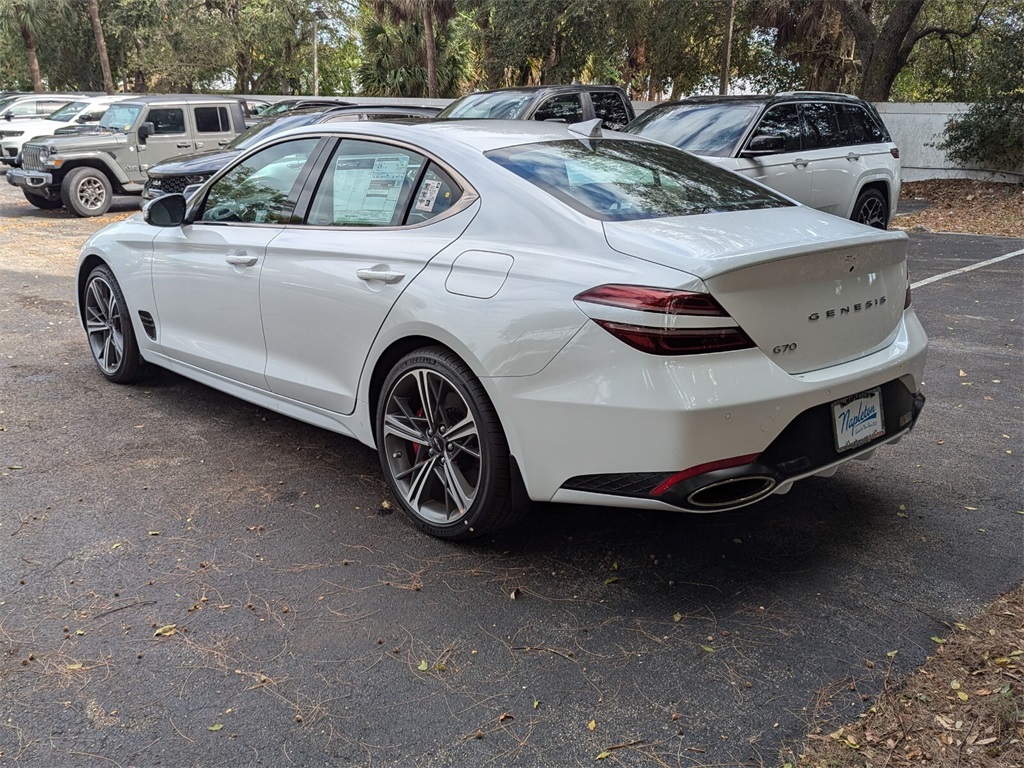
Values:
[(979, 265)]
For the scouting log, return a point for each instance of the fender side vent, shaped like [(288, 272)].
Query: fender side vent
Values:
[(149, 324)]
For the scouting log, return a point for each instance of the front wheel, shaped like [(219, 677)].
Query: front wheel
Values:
[(872, 209), (442, 448), (86, 192), (109, 328)]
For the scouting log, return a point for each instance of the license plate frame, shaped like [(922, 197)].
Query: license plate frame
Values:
[(857, 419)]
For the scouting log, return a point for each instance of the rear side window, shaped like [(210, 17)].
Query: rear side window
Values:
[(782, 120), (366, 184), (857, 126), (822, 130), (212, 120), (436, 193), (167, 120), (609, 107), (615, 180), (567, 108)]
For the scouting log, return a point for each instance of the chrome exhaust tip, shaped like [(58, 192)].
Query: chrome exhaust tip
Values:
[(731, 492)]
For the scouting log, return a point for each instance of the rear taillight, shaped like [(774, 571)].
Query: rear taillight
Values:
[(678, 341), (671, 335), (647, 299), (895, 152)]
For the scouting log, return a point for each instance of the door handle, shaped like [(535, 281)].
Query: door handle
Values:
[(852, 156), (241, 259), (384, 275), (800, 162), (183, 145), (223, 142)]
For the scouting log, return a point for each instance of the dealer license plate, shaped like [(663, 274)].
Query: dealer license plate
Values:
[(858, 419)]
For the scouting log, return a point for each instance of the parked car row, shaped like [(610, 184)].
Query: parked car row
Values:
[(829, 151)]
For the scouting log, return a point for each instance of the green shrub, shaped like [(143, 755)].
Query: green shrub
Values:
[(990, 133)]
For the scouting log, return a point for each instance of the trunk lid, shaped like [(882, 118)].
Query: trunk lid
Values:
[(810, 289)]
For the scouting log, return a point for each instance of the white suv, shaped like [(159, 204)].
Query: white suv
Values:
[(830, 151), (14, 133)]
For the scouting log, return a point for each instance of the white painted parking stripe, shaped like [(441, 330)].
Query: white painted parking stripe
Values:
[(979, 265)]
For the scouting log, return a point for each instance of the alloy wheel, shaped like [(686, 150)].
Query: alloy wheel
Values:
[(432, 446), (103, 324), (91, 193)]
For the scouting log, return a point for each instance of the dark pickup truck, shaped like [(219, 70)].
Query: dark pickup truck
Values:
[(560, 103)]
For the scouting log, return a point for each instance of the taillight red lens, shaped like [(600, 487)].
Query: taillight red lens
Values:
[(647, 299), (663, 340), (678, 341)]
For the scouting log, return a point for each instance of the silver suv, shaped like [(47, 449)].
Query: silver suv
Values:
[(829, 151)]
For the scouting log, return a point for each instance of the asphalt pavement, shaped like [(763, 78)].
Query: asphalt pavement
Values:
[(187, 579)]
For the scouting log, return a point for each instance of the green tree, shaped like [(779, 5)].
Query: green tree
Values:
[(392, 62), (434, 15), (30, 19)]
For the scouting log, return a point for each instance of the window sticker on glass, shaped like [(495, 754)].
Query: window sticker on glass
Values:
[(367, 187), (428, 195)]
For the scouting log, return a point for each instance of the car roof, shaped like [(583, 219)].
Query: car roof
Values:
[(765, 98), (188, 98), (569, 87)]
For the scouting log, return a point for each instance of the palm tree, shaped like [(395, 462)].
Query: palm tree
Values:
[(28, 17), (435, 15)]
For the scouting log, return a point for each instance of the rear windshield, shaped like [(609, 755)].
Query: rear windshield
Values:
[(704, 129), (502, 105), (615, 180), (120, 117)]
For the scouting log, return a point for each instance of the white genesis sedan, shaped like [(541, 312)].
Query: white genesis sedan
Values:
[(514, 311)]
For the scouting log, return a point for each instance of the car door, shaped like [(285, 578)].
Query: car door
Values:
[(206, 273), (379, 213), (213, 127), (171, 136), (785, 171), (833, 177)]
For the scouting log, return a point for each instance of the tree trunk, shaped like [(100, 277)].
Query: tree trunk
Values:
[(101, 45), (140, 77), (723, 79), (883, 53), (428, 41), (33, 59)]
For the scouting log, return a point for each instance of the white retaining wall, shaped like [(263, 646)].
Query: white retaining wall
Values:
[(915, 127)]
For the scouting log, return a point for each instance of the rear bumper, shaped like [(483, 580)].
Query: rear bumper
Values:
[(31, 180), (605, 424)]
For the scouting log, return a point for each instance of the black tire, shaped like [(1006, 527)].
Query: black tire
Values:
[(43, 203), (108, 326), (451, 487), (86, 192), (872, 209)]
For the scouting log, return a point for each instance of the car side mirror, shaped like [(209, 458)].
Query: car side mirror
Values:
[(165, 211), (8, 117), (765, 144), (146, 130)]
